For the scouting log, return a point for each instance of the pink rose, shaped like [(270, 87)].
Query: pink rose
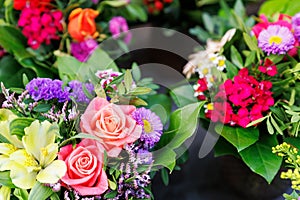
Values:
[(111, 123), (85, 172)]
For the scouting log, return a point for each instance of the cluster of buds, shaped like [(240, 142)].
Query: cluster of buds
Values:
[(156, 6)]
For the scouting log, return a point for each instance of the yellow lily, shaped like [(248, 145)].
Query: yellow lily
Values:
[(36, 162)]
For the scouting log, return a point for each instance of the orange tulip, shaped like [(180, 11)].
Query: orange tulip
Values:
[(82, 24)]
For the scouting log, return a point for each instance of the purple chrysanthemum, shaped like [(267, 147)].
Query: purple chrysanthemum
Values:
[(152, 126), (296, 25), (83, 50), (78, 93), (276, 39), (47, 89)]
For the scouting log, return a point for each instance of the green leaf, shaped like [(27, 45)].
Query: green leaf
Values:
[(160, 111), (223, 147), (271, 7), (6, 180), (18, 125), (21, 194), (232, 70), (260, 159), (183, 124), (250, 43), (239, 137), (183, 95), (257, 121), (165, 176), (54, 196), (270, 127), (40, 192), (236, 57), (137, 12), (128, 80), (276, 126), (239, 9), (208, 22), (293, 141), (250, 59), (136, 72), (110, 195), (42, 108), (112, 185), (139, 91)]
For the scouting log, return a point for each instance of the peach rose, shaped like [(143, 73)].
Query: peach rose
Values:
[(85, 172), (111, 123), (82, 24)]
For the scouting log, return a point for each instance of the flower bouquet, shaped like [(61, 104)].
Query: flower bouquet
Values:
[(249, 81), (99, 138)]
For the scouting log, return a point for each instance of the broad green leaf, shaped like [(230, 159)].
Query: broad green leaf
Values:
[(18, 125), (271, 7), (54, 196), (183, 124), (160, 111), (239, 8), (110, 195), (250, 59), (137, 12), (183, 95), (11, 72), (236, 57), (240, 138), (40, 192), (42, 108), (223, 147), (21, 194), (293, 141), (232, 70), (260, 159), (250, 43), (6, 180)]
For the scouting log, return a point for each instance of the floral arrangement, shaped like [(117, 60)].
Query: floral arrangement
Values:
[(249, 82), (36, 32), (100, 138)]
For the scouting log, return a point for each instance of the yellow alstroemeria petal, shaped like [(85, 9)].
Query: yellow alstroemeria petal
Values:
[(48, 154), (7, 149), (5, 193), (6, 115), (13, 139), (25, 159), (38, 136), (4, 163), (21, 177), (51, 174)]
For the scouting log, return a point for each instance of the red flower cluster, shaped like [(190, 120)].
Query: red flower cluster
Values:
[(201, 87), (155, 6), (40, 26), (242, 100), (268, 68), (41, 4)]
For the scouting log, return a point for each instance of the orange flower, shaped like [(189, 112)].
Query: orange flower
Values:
[(82, 24)]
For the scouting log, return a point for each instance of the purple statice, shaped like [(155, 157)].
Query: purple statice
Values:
[(47, 89), (77, 91), (118, 25), (83, 50), (296, 25), (276, 39), (152, 126), (144, 157)]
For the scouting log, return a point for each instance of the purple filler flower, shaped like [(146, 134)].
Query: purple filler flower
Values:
[(47, 89), (296, 26), (152, 126), (78, 93), (276, 39), (83, 50), (118, 25)]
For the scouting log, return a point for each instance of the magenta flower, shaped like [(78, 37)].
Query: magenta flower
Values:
[(276, 39), (83, 50), (117, 26), (268, 68), (40, 26)]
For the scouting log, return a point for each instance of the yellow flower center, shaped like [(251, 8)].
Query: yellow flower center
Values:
[(205, 71), (147, 126), (221, 62), (275, 39), (210, 106)]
